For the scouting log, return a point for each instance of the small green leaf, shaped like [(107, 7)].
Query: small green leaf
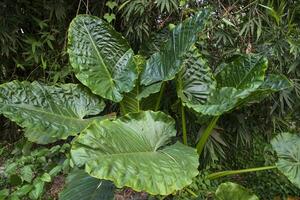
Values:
[(111, 4), (25, 189), (26, 173), (228, 22), (4, 193), (182, 3), (46, 177), (37, 191), (171, 26), (55, 170), (54, 149), (11, 168), (109, 17), (66, 166), (233, 191)]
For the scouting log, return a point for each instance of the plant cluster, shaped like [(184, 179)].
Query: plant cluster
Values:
[(136, 148), (28, 173), (179, 78)]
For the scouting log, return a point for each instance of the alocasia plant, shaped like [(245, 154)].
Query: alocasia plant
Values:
[(238, 82), (135, 150), (121, 149)]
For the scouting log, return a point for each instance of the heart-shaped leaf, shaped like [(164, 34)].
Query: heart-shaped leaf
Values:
[(48, 113), (111, 4), (245, 72), (131, 151), (287, 147), (101, 57), (166, 63), (240, 81), (109, 17)]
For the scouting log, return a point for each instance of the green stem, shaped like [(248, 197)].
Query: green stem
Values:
[(191, 192), (206, 134), (183, 121), (160, 96), (232, 172)]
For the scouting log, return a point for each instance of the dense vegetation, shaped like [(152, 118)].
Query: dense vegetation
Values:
[(160, 99)]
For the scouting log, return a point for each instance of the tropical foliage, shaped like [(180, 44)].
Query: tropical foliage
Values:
[(142, 98)]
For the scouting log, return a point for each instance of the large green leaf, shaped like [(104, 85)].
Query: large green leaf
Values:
[(48, 113), (101, 57), (287, 147), (166, 63), (233, 191), (240, 81), (80, 185), (220, 101), (245, 72), (273, 83), (195, 82), (130, 151)]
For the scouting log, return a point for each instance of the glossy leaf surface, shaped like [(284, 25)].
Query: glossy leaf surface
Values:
[(287, 147), (166, 63), (80, 185), (245, 72), (239, 82), (48, 113), (195, 83), (101, 57), (273, 83), (233, 191), (131, 151), (221, 100)]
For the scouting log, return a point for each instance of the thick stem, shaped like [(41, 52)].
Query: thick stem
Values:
[(206, 134), (183, 122), (232, 172), (157, 106)]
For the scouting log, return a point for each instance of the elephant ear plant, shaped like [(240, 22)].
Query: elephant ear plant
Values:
[(136, 149), (239, 81), (132, 150)]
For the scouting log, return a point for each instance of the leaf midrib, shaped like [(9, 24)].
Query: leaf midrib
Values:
[(28, 107), (249, 72), (98, 54)]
